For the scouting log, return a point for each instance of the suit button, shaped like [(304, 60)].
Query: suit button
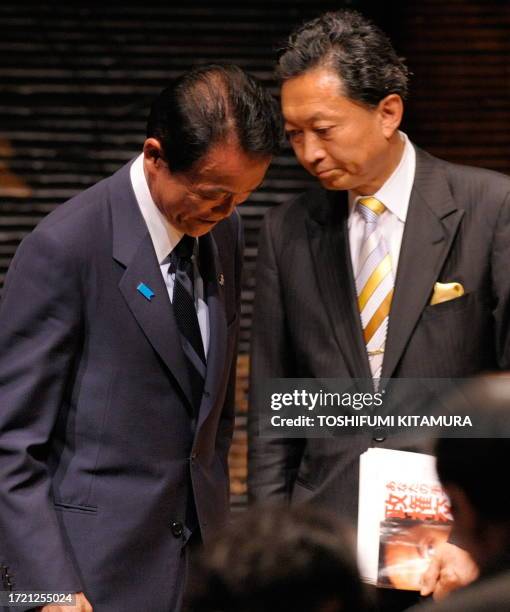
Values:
[(378, 434), (207, 394), (177, 529), (194, 455)]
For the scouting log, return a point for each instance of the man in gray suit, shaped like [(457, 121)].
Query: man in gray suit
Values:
[(395, 266), (118, 333)]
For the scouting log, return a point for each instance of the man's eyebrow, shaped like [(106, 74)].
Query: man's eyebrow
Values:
[(318, 116), (225, 190), (213, 190)]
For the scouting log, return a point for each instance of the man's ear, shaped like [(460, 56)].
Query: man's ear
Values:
[(153, 154), (391, 110)]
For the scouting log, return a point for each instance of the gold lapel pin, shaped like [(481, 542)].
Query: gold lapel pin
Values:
[(221, 280)]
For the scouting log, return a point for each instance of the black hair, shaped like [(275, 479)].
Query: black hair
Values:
[(275, 559), (210, 105), (477, 465), (354, 48)]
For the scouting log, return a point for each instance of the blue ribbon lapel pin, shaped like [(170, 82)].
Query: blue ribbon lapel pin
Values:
[(146, 291)]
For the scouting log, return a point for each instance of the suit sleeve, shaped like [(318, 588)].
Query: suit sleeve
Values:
[(501, 285), (39, 336), (272, 463)]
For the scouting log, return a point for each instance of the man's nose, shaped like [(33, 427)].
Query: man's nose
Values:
[(226, 207), (312, 151)]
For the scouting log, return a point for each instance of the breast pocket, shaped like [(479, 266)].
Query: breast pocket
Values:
[(456, 305), (453, 338)]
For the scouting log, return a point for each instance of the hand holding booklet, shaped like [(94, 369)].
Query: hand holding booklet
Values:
[(404, 514)]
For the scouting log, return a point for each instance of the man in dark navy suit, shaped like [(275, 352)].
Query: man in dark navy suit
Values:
[(118, 333)]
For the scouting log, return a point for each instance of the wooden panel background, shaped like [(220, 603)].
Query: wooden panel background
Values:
[(76, 81), (459, 52)]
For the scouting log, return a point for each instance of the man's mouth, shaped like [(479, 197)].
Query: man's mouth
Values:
[(325, 173)]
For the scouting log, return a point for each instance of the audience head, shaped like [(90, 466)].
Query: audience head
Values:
[(275, 559), (473, 472)]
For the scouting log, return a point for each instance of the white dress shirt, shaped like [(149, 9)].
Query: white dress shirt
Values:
[(165, 238), (395, 195)]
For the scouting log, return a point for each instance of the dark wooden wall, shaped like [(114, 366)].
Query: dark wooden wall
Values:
[(76, 83), (459, 52), (76, 80)]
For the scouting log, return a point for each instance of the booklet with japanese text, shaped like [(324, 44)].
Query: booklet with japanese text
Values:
[(404, 514)]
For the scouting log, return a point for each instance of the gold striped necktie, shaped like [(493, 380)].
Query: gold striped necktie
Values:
[(374, 283)]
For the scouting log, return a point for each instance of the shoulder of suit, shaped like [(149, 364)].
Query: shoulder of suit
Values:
[(480, 183), (79, 225), (78, 212), (299, 207)]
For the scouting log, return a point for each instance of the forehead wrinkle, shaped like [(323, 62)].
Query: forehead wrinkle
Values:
[(219, 172), (319, 86), (209, 161)]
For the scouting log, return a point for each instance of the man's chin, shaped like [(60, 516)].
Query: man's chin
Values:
[(336, 183), (200, 229), (335, 179)]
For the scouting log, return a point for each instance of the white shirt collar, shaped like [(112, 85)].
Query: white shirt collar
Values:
[(163, 234), (396, 191)]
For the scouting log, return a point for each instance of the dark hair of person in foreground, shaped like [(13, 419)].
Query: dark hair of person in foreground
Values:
[(275, 559), (473, 471)]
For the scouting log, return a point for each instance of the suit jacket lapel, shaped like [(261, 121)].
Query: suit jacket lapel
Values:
[(431, 224), (210, 271), (133, 248), (329, 245)]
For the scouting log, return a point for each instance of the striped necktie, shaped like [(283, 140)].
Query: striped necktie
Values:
[(374, 283), (183, 304)]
